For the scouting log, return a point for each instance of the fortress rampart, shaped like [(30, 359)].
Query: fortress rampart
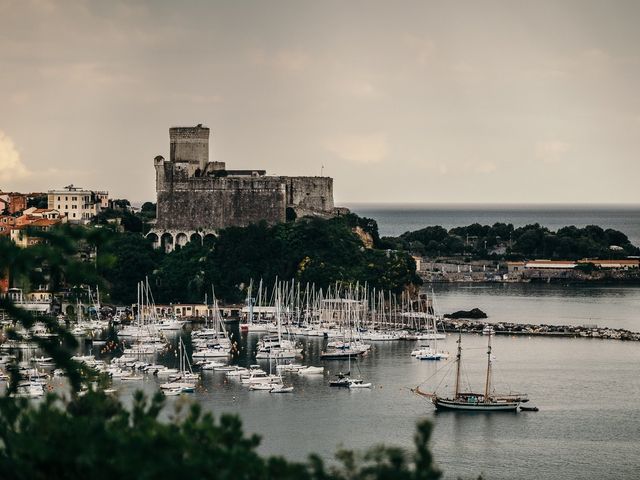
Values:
[(196, 197)]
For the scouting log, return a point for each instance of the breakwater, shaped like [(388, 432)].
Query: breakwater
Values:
[(586, 331)]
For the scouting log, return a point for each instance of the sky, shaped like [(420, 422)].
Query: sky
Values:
[(398, 101)]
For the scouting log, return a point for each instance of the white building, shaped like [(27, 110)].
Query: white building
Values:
[(77, 204)]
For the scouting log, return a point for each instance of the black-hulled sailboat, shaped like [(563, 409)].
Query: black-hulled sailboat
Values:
[(471, 401)]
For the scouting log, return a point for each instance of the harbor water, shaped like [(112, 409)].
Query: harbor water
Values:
[(587, 391)]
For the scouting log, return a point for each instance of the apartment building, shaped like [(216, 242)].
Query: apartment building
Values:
[(77, 204)]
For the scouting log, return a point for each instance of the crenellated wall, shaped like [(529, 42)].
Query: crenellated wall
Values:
[(196, 198)]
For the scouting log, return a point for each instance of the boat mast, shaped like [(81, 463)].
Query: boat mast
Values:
[(487, 385), (458, 358)]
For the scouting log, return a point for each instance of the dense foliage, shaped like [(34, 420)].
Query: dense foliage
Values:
[(38, 201), (122, 217), (94, 436), (125, 260), (129, 221), (504, 241), (310, 250)]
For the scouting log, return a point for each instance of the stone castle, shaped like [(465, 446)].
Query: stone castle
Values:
[(196, 197)]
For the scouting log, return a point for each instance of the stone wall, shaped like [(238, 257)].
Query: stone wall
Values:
[(204, 197), (189, 144), (310, 193), (209, 203)]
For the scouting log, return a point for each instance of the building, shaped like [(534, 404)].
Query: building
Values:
[(4, 204), (33, 213), (13, 202), (4, 281), (7, 222), (77, 204), (622, 264), (197, 197), (21, 236)]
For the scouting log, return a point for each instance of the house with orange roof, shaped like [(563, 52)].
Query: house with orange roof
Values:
[(20, 234)]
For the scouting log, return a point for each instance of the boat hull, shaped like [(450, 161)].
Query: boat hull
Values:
[(445, 404)]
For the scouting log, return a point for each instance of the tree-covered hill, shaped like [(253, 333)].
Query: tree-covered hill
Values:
[(310, 250), (504, 241)]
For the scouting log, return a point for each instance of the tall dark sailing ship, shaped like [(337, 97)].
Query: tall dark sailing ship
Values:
[(471, 401)]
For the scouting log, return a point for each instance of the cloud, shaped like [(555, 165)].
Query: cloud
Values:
[(361, 89), (423, 48), (285, 60), (292, 60), (11, 166), (551, 151), (483, 167), (365, 148), (88, 73)]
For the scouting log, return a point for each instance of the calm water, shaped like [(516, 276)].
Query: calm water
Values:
[(395, 219), (587, 390)]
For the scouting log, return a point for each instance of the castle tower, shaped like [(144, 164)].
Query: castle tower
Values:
[(190, 145)]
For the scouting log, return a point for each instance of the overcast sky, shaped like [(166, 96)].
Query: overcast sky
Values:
[(422, 101)]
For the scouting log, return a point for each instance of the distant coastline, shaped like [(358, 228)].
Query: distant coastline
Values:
[(395, 219)]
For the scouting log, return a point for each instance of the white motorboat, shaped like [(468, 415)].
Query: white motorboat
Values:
[(282, 389), (358, 383), (172, 392), (427, 353), (183, 386), (265, 386), (237, 372), (311, 371), (289, 367), (30, 389), (210, 353), (488, 330), (211, 365)]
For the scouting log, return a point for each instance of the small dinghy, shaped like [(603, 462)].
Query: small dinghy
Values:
[(530, 408)]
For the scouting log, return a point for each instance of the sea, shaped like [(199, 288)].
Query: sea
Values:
[(396, 219), (587, 389)]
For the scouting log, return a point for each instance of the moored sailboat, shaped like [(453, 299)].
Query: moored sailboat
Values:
[(487, 401)]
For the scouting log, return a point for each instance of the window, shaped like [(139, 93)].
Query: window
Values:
[(73, 215), (58, 198)]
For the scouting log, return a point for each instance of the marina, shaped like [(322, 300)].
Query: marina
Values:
[(567, 379)]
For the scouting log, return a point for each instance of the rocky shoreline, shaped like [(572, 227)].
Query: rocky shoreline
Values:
[(585, 331)]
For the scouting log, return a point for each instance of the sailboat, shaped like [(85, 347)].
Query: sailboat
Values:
[(344, 379), (185, 381), (471, 401)]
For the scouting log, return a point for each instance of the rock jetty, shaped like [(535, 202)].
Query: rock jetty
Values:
[(588, 331)]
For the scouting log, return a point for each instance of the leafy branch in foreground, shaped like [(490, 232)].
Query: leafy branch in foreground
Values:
[(54, 261), (94, 435)]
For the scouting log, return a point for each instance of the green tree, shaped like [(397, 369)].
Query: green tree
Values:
[(124, 261)]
